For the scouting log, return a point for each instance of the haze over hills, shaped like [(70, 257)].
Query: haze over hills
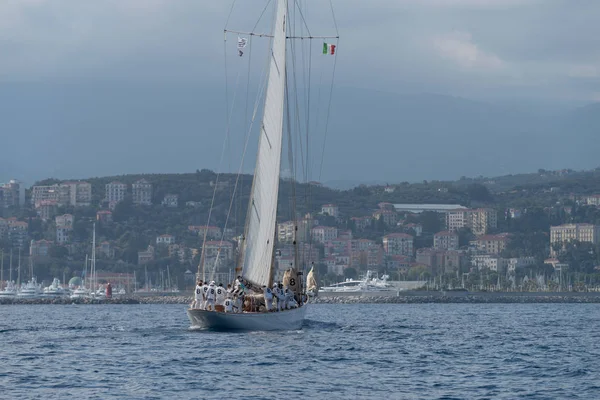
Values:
[(78, 131)]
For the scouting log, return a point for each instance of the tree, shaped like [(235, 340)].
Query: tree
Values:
[(478, 192)]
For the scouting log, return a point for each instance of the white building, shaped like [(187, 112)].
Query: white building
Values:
[(115, 193), (142, 192), (520, 262), (165, 239), (330, 209), (171, 200), (322, 234), (445, 240), (562, 234), (398, 244)]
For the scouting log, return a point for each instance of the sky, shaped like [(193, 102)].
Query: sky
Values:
[(142, 75), (545, 49)]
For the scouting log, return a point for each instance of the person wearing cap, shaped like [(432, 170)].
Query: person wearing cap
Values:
[(204, 291), (221, 294), (268, 297), (211, 294), (198, 300), (277, 293), (228, 304)]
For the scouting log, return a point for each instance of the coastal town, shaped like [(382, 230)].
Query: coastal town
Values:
[(148, 239)]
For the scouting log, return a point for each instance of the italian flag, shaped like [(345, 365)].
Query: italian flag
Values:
[(328, 48)]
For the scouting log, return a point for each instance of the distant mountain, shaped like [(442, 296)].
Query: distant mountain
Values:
[(70, 131)]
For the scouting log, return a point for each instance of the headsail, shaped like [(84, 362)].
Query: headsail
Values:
[(311, 282), (262, 208)]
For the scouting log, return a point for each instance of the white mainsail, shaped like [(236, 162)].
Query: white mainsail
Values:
[(262, 208)]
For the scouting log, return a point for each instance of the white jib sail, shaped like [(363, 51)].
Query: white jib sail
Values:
[(262, 209)]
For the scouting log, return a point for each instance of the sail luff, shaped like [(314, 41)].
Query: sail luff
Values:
[(262, 208)]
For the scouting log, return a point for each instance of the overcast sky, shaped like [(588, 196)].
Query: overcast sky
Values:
[(541, 49)]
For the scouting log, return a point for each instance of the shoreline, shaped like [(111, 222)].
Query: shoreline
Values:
[(412, 297)]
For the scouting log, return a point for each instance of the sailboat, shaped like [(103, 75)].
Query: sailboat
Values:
[(10, 290), (256, 268)]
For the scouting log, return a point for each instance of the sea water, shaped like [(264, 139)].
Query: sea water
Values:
[(376, 351)]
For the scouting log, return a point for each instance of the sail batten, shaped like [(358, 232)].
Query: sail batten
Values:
[(261, 221)]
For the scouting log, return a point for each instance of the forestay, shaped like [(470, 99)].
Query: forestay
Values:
[(262, 209)]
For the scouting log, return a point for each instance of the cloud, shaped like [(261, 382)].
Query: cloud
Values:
[(459, 48)]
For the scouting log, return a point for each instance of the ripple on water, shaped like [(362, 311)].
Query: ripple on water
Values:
[(440, 351)]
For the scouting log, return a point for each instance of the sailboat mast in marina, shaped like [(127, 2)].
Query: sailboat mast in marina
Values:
[(256, 266)]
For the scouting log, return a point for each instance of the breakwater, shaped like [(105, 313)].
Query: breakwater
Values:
[(418, 297), (409, 297)]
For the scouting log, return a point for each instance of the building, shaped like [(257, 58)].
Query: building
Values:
[(17, 232), (398, 244), (398, 263), (417, 228), (223, 249), (115, 193), (64, 226), (106, 249), (171, 200), (419, 208), (563, 234), (141, 192), (211, 232), (12, 194), (146, 256), (104, 216), (193, 204), (389, 216), (64, 221), (47, 209), (165, 240), (593, 200), (322, 234), (361, 223), (331, 210), (519, 262), (492, 244), (72, 193), (365, 253), (480, 220), (80, 193), (39, 248), (285, 230), (445, 240), (59, 194), (490, 262)]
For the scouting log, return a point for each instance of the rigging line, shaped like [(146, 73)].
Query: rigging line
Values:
[(259, 95), (337, 32), (229, 15), (261, 15), (292, 175), (227, 130), (328, 112), (302, 17)]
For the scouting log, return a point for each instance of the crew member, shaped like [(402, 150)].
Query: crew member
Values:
[(197, 303), (221, 294), (268, 297), (211, 293)]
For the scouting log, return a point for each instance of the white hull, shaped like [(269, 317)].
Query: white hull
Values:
[(271, 321)]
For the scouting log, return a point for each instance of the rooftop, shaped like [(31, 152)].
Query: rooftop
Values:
[(418, 208)]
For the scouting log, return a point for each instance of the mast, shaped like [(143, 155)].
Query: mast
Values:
[(10, 266), (93, 265), (257, 251), (19, 270), (85, 275), (2, 269)]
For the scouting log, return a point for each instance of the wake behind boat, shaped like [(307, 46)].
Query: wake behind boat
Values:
[(257, 302)]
